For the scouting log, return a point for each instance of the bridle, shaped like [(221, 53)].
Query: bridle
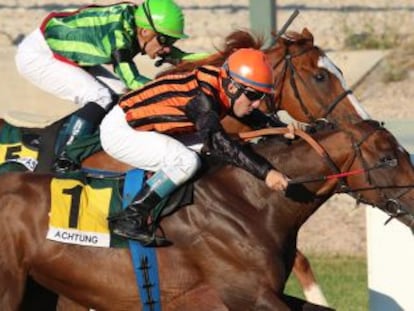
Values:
[(390, 204), (288, 66)]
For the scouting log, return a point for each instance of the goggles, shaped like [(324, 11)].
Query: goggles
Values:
[(250, 94), (165, 40), (254, 95), (162, 39)]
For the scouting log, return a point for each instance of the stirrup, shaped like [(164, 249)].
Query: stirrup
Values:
[(137, 216), (156, 241), (137, 228), (146, 240)]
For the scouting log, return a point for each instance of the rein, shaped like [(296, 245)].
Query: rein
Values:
[(304, 180), (283, 130), (321, 152), (305, 136), (391, 205)]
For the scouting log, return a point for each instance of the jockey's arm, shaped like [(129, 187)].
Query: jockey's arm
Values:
[(177, 55), (258, 120), (204, 113), (187, 56), (126, 69)]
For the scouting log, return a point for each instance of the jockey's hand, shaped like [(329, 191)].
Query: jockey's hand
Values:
[(173, 57), (276, 180), (166, 59), (295, 125), (291, 133)]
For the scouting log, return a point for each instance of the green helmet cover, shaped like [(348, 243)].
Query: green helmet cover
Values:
[(166, 16)]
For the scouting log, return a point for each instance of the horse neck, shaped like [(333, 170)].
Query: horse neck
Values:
[(236, 201), (300, 160)]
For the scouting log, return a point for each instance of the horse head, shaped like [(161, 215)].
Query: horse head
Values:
[(387, 182), (308, 85), (364, 160)]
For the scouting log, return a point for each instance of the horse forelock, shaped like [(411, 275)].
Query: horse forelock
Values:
[(297, 38), (292, 42)]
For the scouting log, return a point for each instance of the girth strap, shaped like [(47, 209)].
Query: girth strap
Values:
[(144, 259)]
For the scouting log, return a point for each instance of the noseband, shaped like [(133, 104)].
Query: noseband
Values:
[(288, 66)]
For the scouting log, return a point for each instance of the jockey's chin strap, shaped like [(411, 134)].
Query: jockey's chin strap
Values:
[(288, 66), (233, 96)]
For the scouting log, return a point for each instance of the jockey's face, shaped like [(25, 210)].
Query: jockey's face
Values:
[(150, 44), (245, 103)]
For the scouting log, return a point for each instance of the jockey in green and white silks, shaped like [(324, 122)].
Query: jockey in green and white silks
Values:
[(63, 56)]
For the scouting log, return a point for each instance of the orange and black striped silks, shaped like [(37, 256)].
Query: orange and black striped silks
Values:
[(160, 104)]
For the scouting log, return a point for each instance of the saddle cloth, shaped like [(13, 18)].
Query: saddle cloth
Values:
[(79, 210)]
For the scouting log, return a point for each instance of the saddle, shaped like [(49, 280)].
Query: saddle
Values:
[(33, 150)]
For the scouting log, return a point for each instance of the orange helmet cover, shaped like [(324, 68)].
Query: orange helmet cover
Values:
[(251, 67)]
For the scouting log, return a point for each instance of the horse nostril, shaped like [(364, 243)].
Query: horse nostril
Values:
[(392, 207)]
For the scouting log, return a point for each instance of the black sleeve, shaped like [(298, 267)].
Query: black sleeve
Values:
[(258, 120), (123, 55), (204, 113)]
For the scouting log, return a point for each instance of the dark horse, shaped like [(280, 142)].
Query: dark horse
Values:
[(234, 249)]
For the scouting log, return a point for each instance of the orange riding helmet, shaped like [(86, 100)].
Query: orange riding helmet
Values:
[(250, 67)]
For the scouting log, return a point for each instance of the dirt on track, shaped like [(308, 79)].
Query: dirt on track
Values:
[(337, 227)]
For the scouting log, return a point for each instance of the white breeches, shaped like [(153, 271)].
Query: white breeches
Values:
[(147, 150), (35, 61)]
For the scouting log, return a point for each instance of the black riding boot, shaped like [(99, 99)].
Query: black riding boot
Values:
[(134, 222), (82, 123)]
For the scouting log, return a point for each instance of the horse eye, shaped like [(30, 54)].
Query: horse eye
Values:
[(320, 76), (389, 161)]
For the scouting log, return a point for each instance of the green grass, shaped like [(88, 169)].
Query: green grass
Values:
[(343, 280)]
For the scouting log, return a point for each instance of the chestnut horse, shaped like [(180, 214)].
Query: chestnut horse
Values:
[(307, 85), (234, 247)]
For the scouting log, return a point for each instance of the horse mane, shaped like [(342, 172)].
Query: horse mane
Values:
[(301, 41), (236, 40), (291, 37), (243, 39)]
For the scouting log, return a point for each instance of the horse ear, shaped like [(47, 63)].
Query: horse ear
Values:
[(307, 34)]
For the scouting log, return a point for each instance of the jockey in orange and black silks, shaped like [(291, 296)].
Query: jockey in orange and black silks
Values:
[(137, 130), (162, 104)]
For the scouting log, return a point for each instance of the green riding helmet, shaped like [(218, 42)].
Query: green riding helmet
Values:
[(167, 17)]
